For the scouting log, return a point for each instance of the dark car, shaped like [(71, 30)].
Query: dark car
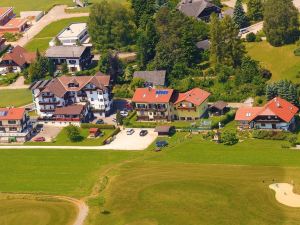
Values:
[(143, 133), (100, 121), (161, 144)]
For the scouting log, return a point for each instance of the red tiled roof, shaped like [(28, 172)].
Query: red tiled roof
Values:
[(196, 96), (4, 10), (11, 113), (15, 23), (150, 95), (276, 107), (247, 113), (20, 56)]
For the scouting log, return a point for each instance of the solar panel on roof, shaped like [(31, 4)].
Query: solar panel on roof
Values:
[(3, 113), (161, 92)]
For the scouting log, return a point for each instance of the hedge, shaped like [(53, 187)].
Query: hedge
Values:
[(271, 135), (228, 117), (100, 126), (115, 132)]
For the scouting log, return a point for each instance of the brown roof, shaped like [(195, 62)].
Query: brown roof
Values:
[(60, 85), (196, 96), (162, 129), (157, 77), (69, 110), (15, 23), (219, 105), (20, 56), (4, 10), (11, 113)]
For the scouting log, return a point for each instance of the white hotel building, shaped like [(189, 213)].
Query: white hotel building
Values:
[(65, 91)]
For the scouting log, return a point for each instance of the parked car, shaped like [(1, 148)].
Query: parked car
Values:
[(130, 131), (161, 144), (39, 139), (143, 133), (100, 121), (114, 120), (123, 113)]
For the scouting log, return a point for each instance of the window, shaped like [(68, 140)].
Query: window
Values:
[(12, 129), (91, 92), (92, 99), (12, 122), (72, 61), (263, 124)]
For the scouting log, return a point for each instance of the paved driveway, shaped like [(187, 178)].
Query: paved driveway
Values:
[(48, 132), (132, 142), (56, 13)]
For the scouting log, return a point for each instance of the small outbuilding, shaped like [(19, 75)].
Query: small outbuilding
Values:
[(94, 132), (164, 130), (218, 108)]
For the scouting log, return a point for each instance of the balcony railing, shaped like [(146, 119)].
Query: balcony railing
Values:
[(47, 110), (49, 103), (186, 108)]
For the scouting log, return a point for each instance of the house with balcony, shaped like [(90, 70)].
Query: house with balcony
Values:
[(65, 91), (16, 60), (277, 114), (74, 34), (153, 104), (15, 125), (77, 58), (191, 105), (167, 104)]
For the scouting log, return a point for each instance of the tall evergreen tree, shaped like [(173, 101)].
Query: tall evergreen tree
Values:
[(216, 43), (255, 10), (239, 15), (146, 44), (281, 24)]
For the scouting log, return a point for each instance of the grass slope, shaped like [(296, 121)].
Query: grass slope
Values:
[(63, 172), (280, 60), (18, 211), (41, 40), (17, 97)]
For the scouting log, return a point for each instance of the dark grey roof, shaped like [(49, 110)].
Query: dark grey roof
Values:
[(157, 77), (193, 8), (65, 51), (219, 105), (205, 44)]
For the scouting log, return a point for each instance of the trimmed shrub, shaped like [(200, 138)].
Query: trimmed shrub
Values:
[(228, 117), (116, 131), (73, 133), (270, 135), (229, 138), (100, 126), (251, 37), (297, 52)]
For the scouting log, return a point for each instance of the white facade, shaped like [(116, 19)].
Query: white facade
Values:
[(70, 36), (99, 100)]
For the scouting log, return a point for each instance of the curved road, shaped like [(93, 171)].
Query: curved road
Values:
[(56, 13)]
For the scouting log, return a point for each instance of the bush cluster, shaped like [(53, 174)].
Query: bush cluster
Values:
[(228, 117), (100, 126), (270, 135)]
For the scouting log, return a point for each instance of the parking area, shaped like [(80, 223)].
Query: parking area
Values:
[(133, 141), (48, 132)]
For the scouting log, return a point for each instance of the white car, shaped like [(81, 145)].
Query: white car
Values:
[(130, 131), (124, 113)]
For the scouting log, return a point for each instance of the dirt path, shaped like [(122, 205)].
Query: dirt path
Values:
[(55, 14)]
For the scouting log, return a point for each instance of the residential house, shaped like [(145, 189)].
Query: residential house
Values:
[(6, 14), (167, 104), (16, 60), (63, 91), (74, 34), (153, 104), (15, 125), (276, 114), (199, 9), (191, 105), (152, 78), (77, 58)]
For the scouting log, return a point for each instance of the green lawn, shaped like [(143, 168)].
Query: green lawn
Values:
[(41, 40), (17, 97), (45, 5), (17, 211), (63, 140), (63, 172), (280, 60)]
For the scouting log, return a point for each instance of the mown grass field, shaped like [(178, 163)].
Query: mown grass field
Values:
[(63, 140), (281, 61), (45, 5), (36, 212), (190, 182), (17, 97), (41, 40)]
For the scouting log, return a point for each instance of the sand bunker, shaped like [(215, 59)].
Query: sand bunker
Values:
[(285, 195)]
